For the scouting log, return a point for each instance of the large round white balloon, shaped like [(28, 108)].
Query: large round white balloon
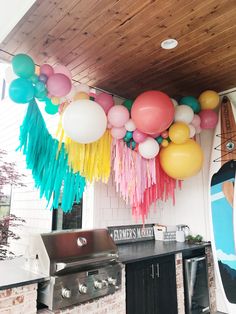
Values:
[(84, 121), (149, 148), (183, 113)]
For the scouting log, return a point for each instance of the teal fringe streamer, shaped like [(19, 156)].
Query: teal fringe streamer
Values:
[(50, 170)]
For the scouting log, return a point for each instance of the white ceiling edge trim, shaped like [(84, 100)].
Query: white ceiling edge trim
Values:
[(11, 11)]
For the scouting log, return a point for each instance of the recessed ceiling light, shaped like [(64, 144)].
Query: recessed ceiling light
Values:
[(170, 43)]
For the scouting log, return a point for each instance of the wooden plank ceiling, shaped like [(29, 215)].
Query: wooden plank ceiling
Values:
[(115, 44)]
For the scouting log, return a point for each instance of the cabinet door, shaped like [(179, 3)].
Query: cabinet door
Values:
[(140, 288), (165, 285)]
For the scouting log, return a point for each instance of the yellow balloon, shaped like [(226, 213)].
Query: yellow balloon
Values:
[(55, 100), (179, 132), (81, 95), (181, 161), (209, 99), (164, 143)]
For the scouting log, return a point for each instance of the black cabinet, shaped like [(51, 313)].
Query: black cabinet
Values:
[(151, 286)]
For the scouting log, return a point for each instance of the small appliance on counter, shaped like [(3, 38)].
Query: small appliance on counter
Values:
[(182, 232)]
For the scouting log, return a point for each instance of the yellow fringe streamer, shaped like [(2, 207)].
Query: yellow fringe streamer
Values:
[(93, 161)]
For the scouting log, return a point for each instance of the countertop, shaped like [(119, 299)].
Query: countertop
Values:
[(138, 251), (12, 274)]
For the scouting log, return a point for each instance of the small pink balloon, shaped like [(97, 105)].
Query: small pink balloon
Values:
[(63, 70), (59, 85), (109, 125), (46, 69), (196, 121), (198, 130), (118, 115), (164, 134), (209, 119), (139, 136), (118, 133), (105, 101)]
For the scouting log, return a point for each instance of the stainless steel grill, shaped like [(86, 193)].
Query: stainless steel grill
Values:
[(82, 265)]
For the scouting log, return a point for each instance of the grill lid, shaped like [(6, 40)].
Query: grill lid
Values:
[(59, 252)]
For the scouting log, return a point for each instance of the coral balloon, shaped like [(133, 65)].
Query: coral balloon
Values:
[(80, 95), (184, 113), (179, 132), (23, 65), (149, 148), (209, 119), (58, 85), (46, 69), (192, 102), (63, 70), (105, 100), (152, 112), (139, 136), (84, 121), (209, 99), (118, 133), (130, 125), (181, 161), (118, 115), (196, 121)]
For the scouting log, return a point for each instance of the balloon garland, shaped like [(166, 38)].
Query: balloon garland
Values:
[(152, 150)]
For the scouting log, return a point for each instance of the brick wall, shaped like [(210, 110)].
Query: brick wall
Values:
[(20, 300), (211, 279), (114, 303)]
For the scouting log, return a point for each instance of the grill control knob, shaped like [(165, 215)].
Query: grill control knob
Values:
[(66, 293), (112, 281), (83, 288), (98, 284)]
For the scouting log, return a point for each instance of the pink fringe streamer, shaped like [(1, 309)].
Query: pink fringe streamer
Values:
[(140, 182)]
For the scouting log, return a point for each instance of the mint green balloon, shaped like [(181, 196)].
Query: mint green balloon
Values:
[(51, 109), (23, 65), (21, 91), (128, 104)]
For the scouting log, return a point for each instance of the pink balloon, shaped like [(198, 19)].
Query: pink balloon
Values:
[(118, 133), (63, 70), (139, 136), (198, 130), (118, 115), (196, 121), (109, 126), (46, 69), (59, 85), (105, 101), (209, 119)]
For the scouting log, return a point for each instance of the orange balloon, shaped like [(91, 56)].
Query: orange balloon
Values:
[(81, 95), (55, 100), (181, 161), (209, 99), (37, 70)]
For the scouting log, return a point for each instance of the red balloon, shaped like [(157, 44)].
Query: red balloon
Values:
[(152, 112), (209, 119)]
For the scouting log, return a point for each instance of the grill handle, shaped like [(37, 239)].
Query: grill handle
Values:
[(62, 266)]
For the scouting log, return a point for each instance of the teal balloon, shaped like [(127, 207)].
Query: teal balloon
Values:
[(191, 102), (23, 65), (129, 135), (159, 139), (168, 139), (128, 104), (34, 78), (21, 91), (133, 144), (126, 139), (40, 87), (51, 109)]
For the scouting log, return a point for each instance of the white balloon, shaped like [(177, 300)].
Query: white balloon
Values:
[(10, 75), (192, 130), (175, 102), (83, 88), (149, 148), (84, 121), (130, 125), (183, 113)]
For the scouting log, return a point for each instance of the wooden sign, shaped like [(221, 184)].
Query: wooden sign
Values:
[(132, 233)]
